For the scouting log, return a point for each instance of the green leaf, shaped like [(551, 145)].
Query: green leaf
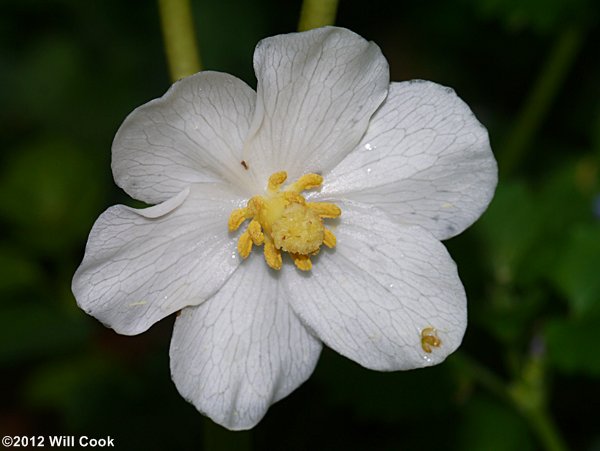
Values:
[(540, 15), (563, 201), (60, 385), (571, 344), (51, 191), (509, 229), (524, 229), (100, 390), (17, 270), (507, 314), (578, 271), (387, 397), (30, 331), (490, 425)]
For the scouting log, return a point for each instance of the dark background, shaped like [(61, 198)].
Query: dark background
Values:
[(70, 71)]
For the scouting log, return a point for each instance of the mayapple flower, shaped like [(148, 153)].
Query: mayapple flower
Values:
[(343, 181)]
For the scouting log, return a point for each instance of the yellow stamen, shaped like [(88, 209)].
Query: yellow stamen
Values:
[(237, 217), (324, 209), (282, 220), (307, 181), (293, 197), (244, 245), (272, 255), (302, 262), (276, 180), (255, 232), (329, 238), (254, 205)]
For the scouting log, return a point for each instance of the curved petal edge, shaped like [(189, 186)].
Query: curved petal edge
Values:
[(142, 265), (376, 297), (425, 160), (316, 92), (237, 354), (192, 134)]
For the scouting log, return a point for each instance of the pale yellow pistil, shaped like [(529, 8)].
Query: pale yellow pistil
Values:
[(282, 220)]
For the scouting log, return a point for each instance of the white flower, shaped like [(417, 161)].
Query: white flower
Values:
[(407, 163)]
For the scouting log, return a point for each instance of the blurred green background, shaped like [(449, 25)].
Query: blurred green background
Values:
[(70, 71)]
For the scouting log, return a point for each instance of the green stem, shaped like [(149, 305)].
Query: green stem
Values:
[(546, 430), (317, 13), (480, 374), (527, 395), (540, 100), (180, 40)]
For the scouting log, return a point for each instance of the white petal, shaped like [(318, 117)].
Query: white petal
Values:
[(372, 296), (316, 92), (242, 350), (142, 265), (194, 133), (425, 159)]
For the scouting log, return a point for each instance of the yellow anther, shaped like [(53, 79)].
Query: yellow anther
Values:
[(254, 205), (282, 220), (302, 262), (276, 180), (272, 255), (329, 238), (237, 217), (307, 181), (244, 245), (429, 338), (324, 209), (291, 196), (255, 232)]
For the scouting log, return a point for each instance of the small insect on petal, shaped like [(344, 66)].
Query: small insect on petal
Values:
[(429, 338)]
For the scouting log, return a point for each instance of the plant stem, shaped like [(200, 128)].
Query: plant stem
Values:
[(527, 395), (317, 13), (546, 430), (180, 39), (480, 374), (537, 105)]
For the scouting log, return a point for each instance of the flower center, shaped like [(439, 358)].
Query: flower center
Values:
[(282, 220)]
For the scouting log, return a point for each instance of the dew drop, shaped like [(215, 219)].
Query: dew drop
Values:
[(369, 146)]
